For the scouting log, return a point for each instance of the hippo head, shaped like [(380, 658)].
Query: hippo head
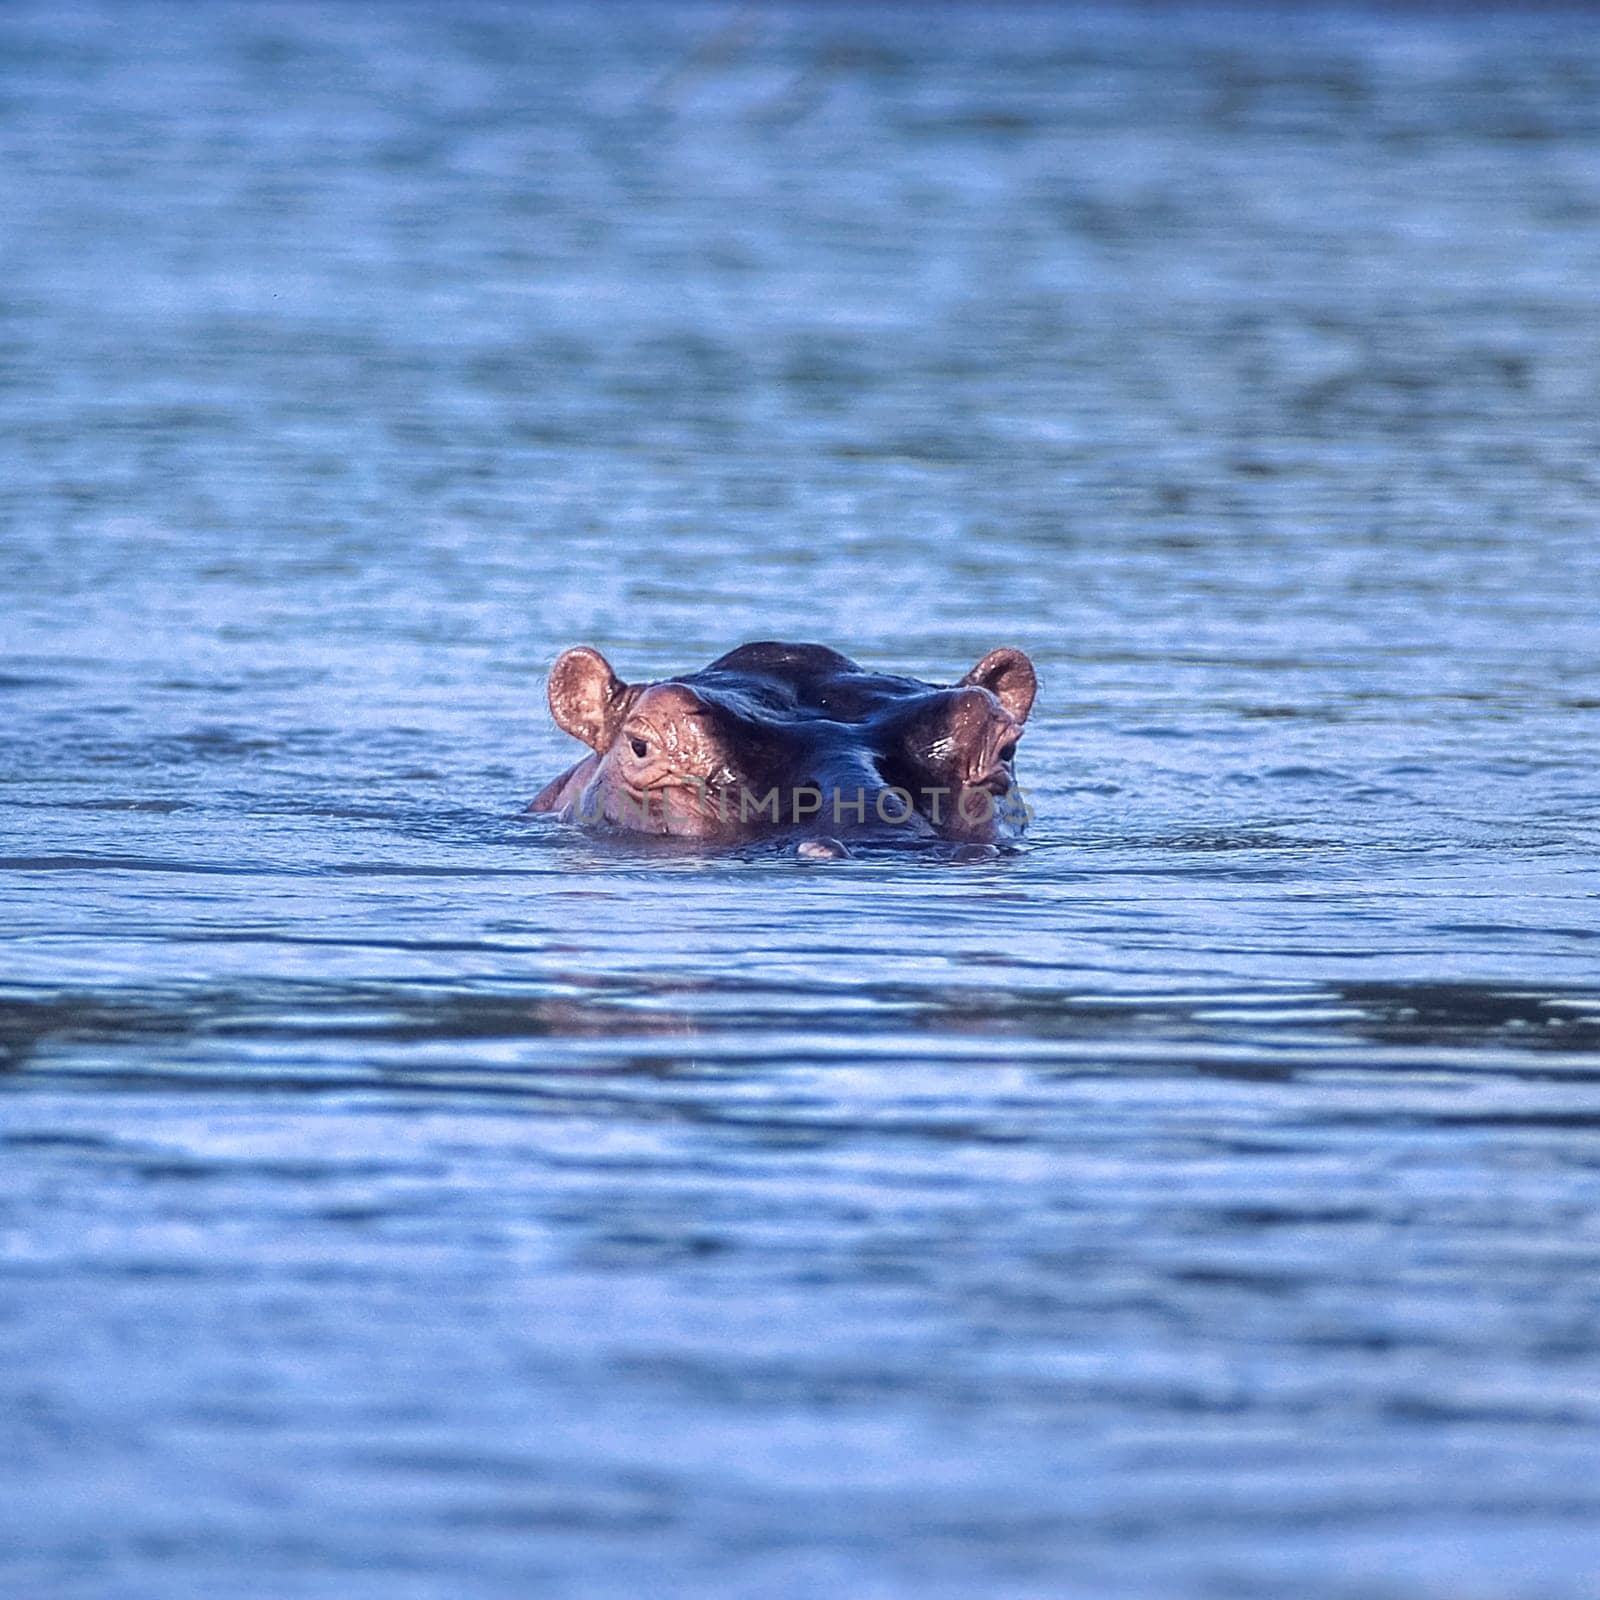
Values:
[(706, 756), (792, 736), (954, 750)]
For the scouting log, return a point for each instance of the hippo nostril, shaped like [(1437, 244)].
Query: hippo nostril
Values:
[(1008, 750), (639, 747)]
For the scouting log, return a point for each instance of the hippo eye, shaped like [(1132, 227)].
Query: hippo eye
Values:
[(640, 747), (1007, 751)]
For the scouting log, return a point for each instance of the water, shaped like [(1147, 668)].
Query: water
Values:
[(403, 1199)]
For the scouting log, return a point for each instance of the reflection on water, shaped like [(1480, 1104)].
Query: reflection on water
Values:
[(404, 1198)]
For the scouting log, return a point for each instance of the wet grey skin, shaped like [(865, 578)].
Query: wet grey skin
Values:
[(793, 740)]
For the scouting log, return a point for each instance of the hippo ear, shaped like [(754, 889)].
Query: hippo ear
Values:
[(1009, 676), (587, 698)]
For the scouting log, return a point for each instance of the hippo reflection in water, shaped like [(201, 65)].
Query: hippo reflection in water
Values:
[(793, 739)]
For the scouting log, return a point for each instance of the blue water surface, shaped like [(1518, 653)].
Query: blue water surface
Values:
[(403, 1200)]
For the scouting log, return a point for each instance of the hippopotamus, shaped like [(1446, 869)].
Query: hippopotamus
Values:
[(793, 740)]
